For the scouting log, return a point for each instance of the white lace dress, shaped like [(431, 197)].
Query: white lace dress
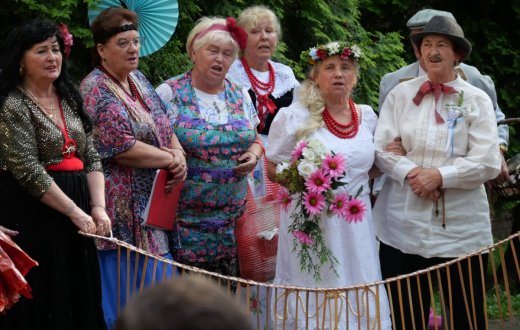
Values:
[(353, 244)]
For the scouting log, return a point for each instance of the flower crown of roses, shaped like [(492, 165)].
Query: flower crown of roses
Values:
[(340, 48)]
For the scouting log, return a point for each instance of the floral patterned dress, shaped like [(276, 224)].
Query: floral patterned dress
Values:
[(213, 196), (120, 121)]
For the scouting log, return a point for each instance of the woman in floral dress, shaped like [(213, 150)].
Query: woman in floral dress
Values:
[(133, 137), (215, 122)]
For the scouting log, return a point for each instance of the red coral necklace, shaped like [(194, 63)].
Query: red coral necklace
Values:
[(342, 131), (256, 84), (265, 104)]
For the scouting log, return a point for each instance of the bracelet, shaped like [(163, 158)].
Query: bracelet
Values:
[(257, 158), (94, 205), (259, 142)]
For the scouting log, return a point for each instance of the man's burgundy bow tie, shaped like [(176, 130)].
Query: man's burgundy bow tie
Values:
[(437, 89)]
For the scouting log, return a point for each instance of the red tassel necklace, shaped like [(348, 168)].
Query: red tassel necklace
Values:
[(340, 130)]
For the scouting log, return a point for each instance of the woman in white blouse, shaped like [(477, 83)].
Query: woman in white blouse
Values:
[(326, 112), (433, 208)]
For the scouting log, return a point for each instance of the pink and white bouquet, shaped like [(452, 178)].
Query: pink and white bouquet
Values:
[(310, 179)]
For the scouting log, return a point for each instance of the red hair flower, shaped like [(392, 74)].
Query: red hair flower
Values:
[(67, 38), (236, 32), (346, 53), (322, 54)]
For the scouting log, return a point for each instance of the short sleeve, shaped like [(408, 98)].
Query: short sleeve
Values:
[(167, 97), (282, 134)]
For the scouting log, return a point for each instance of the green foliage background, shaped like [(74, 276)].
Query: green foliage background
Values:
[(379, 26)]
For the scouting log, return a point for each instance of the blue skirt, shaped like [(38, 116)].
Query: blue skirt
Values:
[(109, 281)]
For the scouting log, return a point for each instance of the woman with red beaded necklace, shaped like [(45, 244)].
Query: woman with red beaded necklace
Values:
[(326, 112), (270, 84)]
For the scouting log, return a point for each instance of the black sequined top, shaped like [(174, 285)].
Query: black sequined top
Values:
[(29, 141)]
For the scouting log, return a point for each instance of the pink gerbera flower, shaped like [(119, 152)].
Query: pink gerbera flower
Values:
[(284, 198), (335, 165), (339, 204), (303, 237), (313, 202), (318, 182), (297, 152), (355, 210)]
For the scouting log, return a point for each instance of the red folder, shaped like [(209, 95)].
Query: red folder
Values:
[(161, 209)]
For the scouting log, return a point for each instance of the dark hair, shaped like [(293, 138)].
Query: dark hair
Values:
[(106, 23), (21, 39), (187, 303)]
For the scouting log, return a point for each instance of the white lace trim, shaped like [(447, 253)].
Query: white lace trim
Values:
[(283, 75)]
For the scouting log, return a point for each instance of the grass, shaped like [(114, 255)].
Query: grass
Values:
[(492, 304)]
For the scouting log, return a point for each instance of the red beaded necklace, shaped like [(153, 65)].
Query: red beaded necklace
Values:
[(256, 84), (265, 104), (340, 130)]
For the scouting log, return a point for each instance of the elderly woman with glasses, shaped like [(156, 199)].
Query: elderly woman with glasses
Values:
[(133, 136), (215, 121)]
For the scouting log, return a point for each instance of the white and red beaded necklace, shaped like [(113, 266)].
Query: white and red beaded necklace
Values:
[(342, 131)]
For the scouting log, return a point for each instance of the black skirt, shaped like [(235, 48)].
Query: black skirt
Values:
[(66, 286)]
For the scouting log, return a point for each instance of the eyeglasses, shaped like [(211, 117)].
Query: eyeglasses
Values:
[(125, 43)]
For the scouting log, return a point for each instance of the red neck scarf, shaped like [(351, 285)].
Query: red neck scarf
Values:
[(437, 89)]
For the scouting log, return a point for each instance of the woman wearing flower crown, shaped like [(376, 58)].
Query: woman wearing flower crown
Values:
[(433, 207), (51, 182), (215, 122), (325, 112)]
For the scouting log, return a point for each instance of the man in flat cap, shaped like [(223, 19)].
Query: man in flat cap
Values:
[(469, 73)]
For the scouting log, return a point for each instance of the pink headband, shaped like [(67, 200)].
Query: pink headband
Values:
[(236, 32)]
